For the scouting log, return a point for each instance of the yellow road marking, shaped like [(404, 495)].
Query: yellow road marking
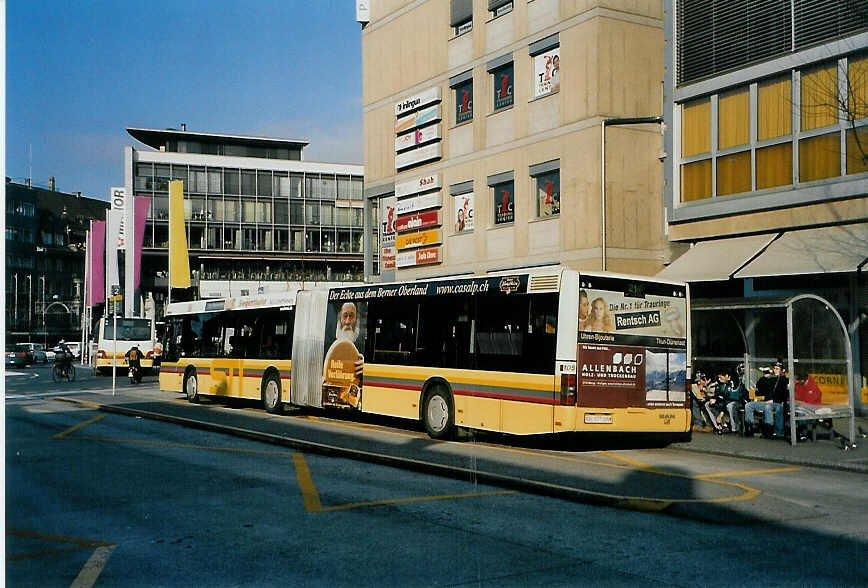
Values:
[(418, 499), (747, 473), (312, 503), (75, 428), (632, 462), (309, 495)]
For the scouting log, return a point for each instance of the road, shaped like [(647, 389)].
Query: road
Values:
[(94, 497)]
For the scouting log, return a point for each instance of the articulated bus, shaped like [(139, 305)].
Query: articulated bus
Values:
[(528, 352), (131, 332)]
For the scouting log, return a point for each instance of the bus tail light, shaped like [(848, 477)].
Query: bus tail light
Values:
[(100, 354), (568, 389), (149, 355)]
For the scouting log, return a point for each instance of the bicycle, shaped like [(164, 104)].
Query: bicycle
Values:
[(59, 371)]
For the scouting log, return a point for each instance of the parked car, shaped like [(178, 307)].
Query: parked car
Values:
[(16, 356), (40, 356), (49, 354), (31, 350)]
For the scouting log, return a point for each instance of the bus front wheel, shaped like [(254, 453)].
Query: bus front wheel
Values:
[(271, 394), (191, 386), (438, 414)]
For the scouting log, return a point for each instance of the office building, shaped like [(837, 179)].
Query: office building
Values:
[(45, 258), (766, 175), (516, 133), (258, 216)]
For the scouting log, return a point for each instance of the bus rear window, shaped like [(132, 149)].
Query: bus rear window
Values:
[(128, 329)]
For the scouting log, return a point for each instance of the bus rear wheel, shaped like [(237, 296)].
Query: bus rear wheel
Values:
[(271, 394), (438, 414), (191, 386)]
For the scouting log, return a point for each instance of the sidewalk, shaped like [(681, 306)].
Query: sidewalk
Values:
[(823, 453)]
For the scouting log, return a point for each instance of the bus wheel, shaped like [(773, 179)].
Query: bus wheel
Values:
[(271, 394), (191, 386), (437, 413)]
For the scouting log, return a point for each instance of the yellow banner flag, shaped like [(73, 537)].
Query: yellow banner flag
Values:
[(179, 259)]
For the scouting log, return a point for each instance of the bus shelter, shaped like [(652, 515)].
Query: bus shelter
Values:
[(803, 331)]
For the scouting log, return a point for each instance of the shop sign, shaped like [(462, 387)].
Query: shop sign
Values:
[(417, 156), (417, 185), (420, 239), (417, 119), (417, 101), (418, 203), (418, 257), (418, 137), (418, 221)]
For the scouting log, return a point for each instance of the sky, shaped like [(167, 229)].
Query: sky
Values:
[(78, 74)]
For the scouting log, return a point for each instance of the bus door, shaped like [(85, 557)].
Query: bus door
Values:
[(227, 370)]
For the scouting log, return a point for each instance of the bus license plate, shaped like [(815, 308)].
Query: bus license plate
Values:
[(598, 419)]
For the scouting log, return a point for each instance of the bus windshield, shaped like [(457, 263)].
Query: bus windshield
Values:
[(128, 329)]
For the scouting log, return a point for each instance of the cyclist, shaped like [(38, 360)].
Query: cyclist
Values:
[(134, 357), (64, 357)]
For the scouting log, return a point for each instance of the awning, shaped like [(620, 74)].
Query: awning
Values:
[(841, 248), (715, 260)]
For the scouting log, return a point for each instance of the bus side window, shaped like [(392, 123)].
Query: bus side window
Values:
[(502, 322), (394, 330), (444, 332)]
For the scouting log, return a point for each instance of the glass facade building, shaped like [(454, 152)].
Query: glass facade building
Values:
[(254, 210)]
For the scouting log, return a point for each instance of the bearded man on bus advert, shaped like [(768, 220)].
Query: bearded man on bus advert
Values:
[(344, 363)]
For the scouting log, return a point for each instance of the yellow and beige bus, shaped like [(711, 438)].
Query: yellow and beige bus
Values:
[(529, 352), (112, 346)]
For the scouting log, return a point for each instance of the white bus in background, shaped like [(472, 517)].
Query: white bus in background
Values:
[(138, 332)]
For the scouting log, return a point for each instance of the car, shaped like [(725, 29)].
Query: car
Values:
[(40, 356), (50, 354), (15, 356), (31, 349)]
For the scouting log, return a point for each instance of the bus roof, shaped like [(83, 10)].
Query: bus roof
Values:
[(271, 300)]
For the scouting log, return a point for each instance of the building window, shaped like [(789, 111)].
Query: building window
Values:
[(820, 157), (733, 173), (774, 108), (546, 67), (462, 207), (548, 193), (819, 97), (461, 16), (857, 150), (696, 180), (502, 83), (499, 7), (464, 101), (774, 166), (733, 119), (696, 127), (504, 202)]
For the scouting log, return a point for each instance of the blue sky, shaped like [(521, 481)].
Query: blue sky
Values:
[(79, 73)]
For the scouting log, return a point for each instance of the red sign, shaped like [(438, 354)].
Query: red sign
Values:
[(418, 221), (425, 256), (388, 258)]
